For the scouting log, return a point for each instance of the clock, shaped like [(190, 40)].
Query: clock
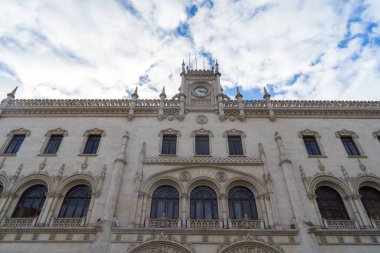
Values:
[(200, 91)]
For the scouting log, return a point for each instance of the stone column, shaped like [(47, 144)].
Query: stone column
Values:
[(359, 205), (184, 199), (357, 216), (223, 201), (48, 205), (8, 201), (307, 243), (103, 239)]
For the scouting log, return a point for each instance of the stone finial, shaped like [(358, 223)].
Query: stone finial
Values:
[(13, 93), (266, 94), (183, 66), (238, 94), (163, 95), (216, 67), (135, 95)]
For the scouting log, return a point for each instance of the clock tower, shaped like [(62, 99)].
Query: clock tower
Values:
[(200, 89)]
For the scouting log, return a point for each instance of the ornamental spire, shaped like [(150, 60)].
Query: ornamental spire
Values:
[(13, 93), (135, 95), (163, 95), (238, 94), (216, 66), (266, 94), (183, 66)]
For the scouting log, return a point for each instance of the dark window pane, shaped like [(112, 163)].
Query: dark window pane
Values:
[(1, 188), (235, 146), (311, 145), (92, 144), (203, 203), (15, 144), (241, 203), (165, 202), (202, 146), (169, 144), (330, 204), (53, 145), (30, 202), (76, 202), (371, 201), (349, 145)]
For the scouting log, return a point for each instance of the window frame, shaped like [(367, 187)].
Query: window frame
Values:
[(354, 137), (317, 138), (202, 132), (234, 132), (155, 200), (16, 208), (10, 135), (86, 135), (338, 200), (66, 199), (48, 135), (253, 215), (169, 131), (212, 200)]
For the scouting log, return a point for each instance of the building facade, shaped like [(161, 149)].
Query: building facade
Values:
[(195, 173)]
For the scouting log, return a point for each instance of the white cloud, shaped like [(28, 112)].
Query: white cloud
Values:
[(100, 49)]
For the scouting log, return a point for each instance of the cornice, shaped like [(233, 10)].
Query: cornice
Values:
[(150, 108)]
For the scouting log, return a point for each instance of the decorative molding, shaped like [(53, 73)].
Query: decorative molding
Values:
[(203, 160), (170, 131), (202, 132), (23, 131), (95, 131), (308, 132), (234, 132), (376, 134), (57, 131), (345, 132)]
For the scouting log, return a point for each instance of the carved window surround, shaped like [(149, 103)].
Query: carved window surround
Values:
[(355, 139), (204, 132), (86, 134), (57, 131), (317, 136), (234, 132), (169, 131), (21, 131)]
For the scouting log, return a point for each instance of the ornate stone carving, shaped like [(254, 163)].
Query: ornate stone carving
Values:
[(345, 132), (42, 164), (202, 132), (201, 119), (203, 160), (2, 163), (234, 132), (221, 176), (170, 131), (23, 131), (321, 167), (308, 132), (57, 131), (95, 131), (184, 176)]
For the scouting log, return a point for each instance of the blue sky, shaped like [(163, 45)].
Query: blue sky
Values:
[(325, 49)]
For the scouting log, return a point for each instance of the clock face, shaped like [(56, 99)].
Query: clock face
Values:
[(200, 91)]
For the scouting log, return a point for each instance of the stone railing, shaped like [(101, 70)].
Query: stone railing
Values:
[(18, 222), (325, 104), (68, 222), (70, 103), (247, 224), (205, 224), (162, 223), (340, 224)]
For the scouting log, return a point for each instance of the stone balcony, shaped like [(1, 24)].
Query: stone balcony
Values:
[(33, 222)]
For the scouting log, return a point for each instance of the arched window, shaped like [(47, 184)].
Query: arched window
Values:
[(330, 204), (241, 203), (371, 201), (203, 204), (165, 201), (76, 202), (30, 202)]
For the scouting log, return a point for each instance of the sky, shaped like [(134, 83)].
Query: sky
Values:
[(309, 50)]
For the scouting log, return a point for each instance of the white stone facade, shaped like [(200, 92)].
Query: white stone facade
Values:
[(129, 166)]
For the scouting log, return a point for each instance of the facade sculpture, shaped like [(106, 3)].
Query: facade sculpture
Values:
[(199, 172)]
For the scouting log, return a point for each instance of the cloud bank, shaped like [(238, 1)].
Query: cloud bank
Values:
[(104, 49)]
